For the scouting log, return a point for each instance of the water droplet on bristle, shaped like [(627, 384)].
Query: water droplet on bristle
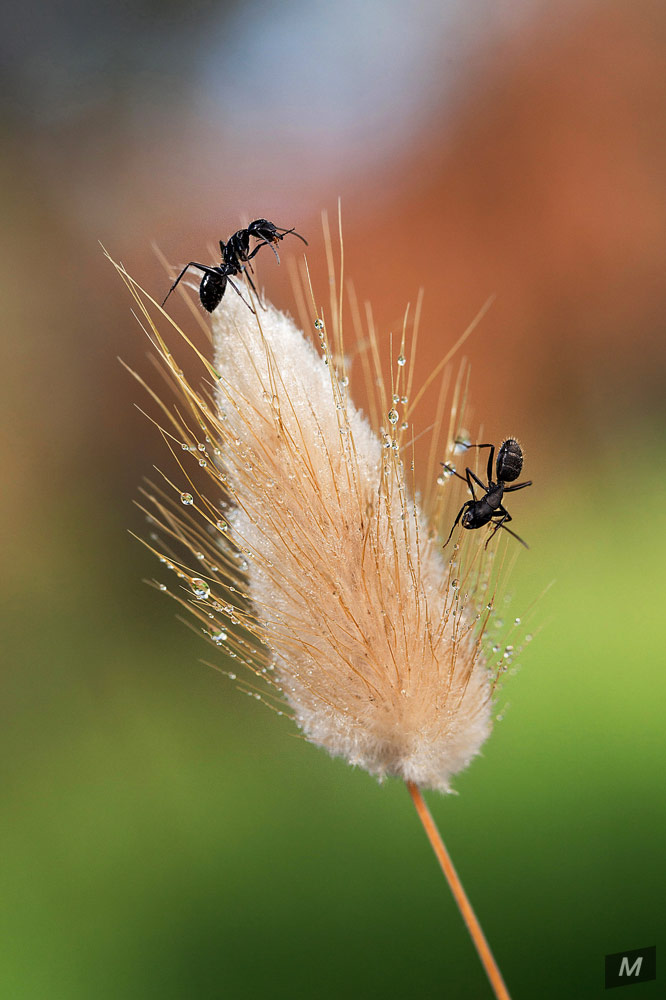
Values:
[(393, 416), (200, 588), (186, 498), (402, 360), (446, 473), (319, 324)]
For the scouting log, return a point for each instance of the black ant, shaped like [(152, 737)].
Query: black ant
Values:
[(235, 255), (475, 513)]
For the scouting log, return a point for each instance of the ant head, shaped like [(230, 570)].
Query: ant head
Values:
[(264, 230), (469, 519)]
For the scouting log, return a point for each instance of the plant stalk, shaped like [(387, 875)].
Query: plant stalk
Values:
[(459, 894)]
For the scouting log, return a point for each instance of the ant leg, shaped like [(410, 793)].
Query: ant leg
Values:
[(517, 537), (468, 503), (518, 486), (502, 524), (466, 478), (451, 471), (491, 458), (471, 475), (265, 243), (202, 267), (253, 286), (238, 292)]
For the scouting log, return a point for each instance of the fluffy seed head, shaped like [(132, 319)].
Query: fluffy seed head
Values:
[(301, 545)]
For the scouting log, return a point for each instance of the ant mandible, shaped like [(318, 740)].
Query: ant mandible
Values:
[(235, 255), (489, 509)]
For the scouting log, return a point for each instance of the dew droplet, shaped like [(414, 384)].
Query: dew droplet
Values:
[(185, 446), (200, 588), (393, 416), (462, 442), (203, 463), (344, 381), (319, 324), (454, 584), (232, 677), (218, 636), (516, 621), (162, 586), (402, 360), (222, 526), (187, 499)]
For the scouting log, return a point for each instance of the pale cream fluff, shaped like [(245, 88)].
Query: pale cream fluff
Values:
[(374, 650)]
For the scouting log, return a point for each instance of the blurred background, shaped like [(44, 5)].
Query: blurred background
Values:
[(162, 835)]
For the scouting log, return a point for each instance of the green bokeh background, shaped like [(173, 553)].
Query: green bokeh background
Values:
[(162, 834)]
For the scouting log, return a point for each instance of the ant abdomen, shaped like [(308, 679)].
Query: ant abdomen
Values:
[(509, 461), (211, 290)]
